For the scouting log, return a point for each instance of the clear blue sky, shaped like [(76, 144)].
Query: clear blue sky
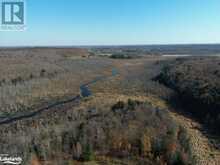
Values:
[(103, 22)]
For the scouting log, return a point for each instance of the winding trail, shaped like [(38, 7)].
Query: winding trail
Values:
[(37, 112), (84, 92), (205, 153)]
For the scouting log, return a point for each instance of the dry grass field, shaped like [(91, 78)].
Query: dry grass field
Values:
[(32, 77), (127, 119)]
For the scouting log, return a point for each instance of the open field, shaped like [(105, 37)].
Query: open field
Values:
[(125, 117)]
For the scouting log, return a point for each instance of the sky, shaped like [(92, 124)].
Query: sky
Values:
[(117, 22)]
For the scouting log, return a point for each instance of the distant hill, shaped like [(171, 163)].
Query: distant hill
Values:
[(205, 49)]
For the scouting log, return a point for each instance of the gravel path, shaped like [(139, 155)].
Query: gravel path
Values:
[(206, 154)]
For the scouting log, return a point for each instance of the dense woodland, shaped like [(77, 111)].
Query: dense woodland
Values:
[(127, 119), (130, 131), (197, 81)]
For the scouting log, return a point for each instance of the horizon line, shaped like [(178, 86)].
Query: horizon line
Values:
[(105, 45)]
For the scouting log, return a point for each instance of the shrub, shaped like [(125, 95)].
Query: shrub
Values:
[(88, 154), (17, 80), (42, 73), (31, 76), (118, 105), (132, 104), (145, 145), (121, 56)]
